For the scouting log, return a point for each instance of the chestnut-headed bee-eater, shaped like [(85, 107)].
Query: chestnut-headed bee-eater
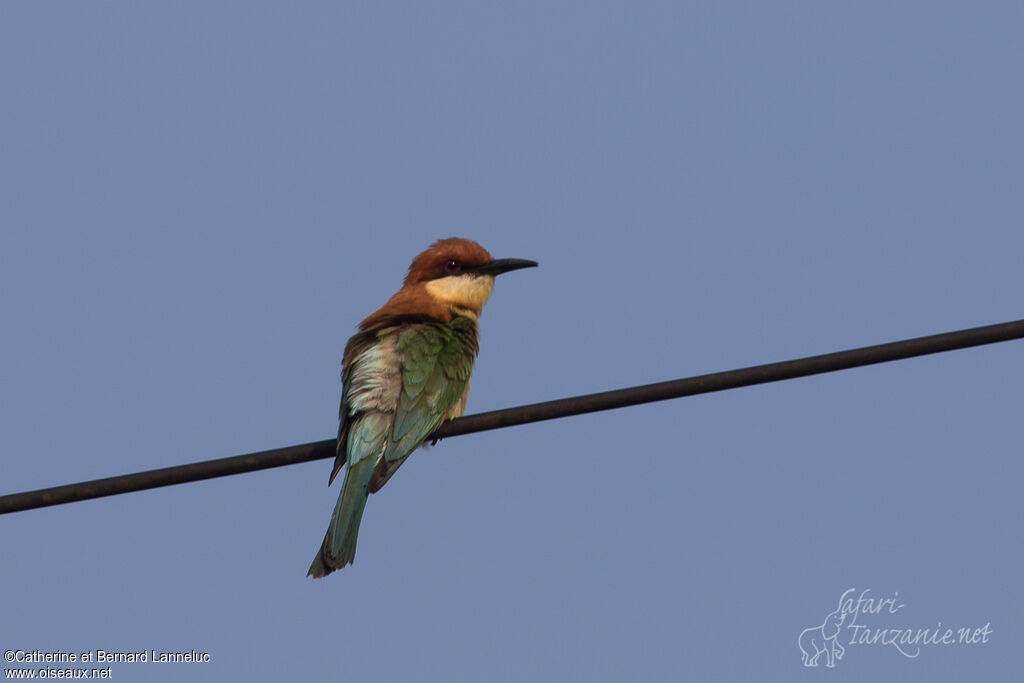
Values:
[(404, 373)]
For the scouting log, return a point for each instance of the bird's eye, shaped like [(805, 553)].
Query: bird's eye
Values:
[(452, 266)]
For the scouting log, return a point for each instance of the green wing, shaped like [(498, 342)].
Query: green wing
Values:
[(437, 360)]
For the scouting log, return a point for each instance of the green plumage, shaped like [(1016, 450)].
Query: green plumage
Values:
[(399, 382)]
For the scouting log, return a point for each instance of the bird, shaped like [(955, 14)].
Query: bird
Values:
[(403, 373)]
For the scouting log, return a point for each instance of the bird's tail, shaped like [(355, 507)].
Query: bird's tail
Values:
[(339, 547)]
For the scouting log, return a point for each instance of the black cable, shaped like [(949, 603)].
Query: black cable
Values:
[(549, 410)]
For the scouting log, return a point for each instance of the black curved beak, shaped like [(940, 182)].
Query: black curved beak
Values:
[(503, 265)]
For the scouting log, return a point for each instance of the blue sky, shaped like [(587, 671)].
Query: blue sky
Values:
[(201, 200)]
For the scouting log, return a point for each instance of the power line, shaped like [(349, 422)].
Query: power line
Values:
[(535, 412)]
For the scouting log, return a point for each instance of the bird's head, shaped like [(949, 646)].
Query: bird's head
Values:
[(454, 276), (459, 272)]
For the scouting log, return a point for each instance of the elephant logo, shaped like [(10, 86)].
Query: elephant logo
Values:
[(823, 639)]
